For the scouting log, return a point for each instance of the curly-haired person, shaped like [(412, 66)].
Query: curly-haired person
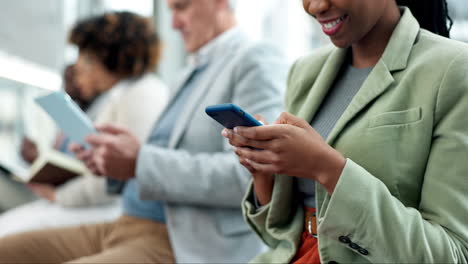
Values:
[(117, 53), (181, 200)]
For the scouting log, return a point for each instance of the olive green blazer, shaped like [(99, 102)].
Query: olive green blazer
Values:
[(403, 194)]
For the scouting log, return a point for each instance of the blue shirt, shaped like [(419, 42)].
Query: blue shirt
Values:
[(149, 209)]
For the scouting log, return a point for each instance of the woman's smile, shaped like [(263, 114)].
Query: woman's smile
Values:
[(332, 26)]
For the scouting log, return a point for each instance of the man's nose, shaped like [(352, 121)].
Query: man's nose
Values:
[(176, 22)]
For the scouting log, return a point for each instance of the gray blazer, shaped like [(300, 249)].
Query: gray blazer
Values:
[(199, 175)]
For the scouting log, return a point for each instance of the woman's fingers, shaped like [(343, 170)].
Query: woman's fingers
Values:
[(259, 161), (261, 119), (284, 124), (264, 168), (261, 133), (256, 155), (239, 141), (244, 163), (227, 133), (288, 119)]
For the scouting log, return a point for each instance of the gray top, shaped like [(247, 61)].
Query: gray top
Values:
[(347, 84)]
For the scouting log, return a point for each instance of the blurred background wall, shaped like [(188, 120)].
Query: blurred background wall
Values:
[(34, 30)]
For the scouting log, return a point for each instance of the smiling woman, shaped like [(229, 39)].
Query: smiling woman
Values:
[(369, 165), (118, 52)]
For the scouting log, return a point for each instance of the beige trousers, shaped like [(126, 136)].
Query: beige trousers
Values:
[(127, 240)]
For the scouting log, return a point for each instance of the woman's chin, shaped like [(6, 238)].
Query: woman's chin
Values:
[(339, 43)]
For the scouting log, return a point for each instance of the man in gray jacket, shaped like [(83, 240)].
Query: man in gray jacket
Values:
[(186, 177)]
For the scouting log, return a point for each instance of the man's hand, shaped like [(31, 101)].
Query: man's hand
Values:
[(114, 152)]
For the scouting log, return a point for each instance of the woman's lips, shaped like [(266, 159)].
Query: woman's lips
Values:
[(331, 27)]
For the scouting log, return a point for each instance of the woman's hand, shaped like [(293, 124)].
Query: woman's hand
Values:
[(29, 151), (263, 182), (290, 146), (43, 190)]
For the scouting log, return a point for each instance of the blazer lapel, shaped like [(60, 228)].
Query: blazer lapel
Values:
[(188, 111), (377, 82), (212, 70), (395, 58), (186, 73), (321, 86)]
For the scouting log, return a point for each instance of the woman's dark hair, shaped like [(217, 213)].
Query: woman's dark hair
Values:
[(125, 43), (432, 15)]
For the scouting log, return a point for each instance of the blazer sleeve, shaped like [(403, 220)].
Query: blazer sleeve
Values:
[(167, 174), (279, 215), (278, 223), (437, 231)]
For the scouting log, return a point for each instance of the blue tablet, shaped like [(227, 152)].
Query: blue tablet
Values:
[(231, 115), (74, 123)]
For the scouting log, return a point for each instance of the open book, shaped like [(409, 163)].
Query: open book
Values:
[(51, 167), (9, 168)]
